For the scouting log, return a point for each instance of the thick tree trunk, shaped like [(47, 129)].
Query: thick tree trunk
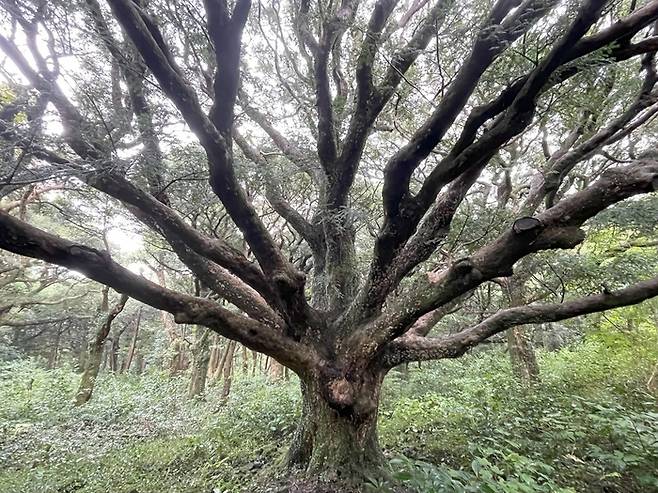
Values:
[(338, 445)]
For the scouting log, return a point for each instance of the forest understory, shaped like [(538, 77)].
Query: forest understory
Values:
[(591, 425)]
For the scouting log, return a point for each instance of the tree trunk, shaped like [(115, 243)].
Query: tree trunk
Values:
[(519, 339), (337, 444), (652, 383), (84, 349), (228, 370), (522, 354), (139, 363), (54, 354), (95, 354), (114, 353), (177, 362), (254, 365), (133, 344), (214, 355), (220, 366), (245, 361), (275, 370), (200, 360)]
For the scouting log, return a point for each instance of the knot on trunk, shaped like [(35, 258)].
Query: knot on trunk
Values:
[(340, 394), (288, 282), (464, 269)]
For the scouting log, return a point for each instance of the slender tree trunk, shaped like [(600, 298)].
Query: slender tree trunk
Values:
[(652, 383), (222, 362), (275, 370), (95, 354), (200, 360), (105, 357), (139, 363), (105, 293), (519, 339), (245, 362), (214, 355), (82, 354), (522, 354), (114, 353), (228, 370), (133, 344), (339, 445), (176, 363), (52, 361)]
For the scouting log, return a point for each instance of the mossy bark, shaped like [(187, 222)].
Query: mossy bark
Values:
[(88, 379), (338, 444), (200, 362), (95, 354)]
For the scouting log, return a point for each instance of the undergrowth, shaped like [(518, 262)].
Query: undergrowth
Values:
[(456, 426)]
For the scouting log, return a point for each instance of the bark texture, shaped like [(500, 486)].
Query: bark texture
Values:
[(338, 445), (200, 362)]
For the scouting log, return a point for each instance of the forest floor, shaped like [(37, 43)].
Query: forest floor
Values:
[(458, 426)]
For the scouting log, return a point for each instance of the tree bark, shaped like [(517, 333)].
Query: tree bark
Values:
[(95, 354), (214, 355), (275, 370), (522, 354), (245, 361), (355, 332), (222, 361), (652, 383), (200, 361), (519, 339), (176, 363), (133, 344), (228, 370), (115, 345), (54, 354), (338, 446)]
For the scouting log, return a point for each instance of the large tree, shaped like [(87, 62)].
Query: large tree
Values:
[(304, 111)]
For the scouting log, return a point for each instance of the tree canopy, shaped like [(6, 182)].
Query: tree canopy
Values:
[(337, 177)]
